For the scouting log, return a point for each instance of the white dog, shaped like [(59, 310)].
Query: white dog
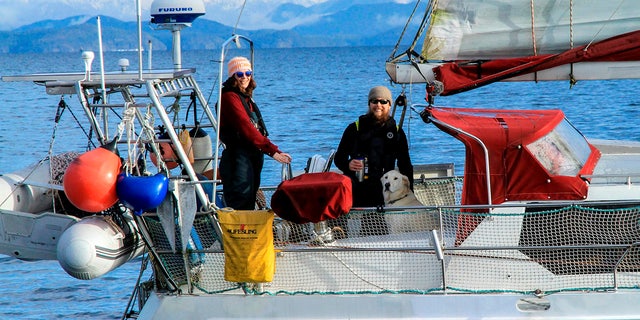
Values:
[(397, 193)]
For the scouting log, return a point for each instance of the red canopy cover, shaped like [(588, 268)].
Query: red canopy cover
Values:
[(313, 197), (515, 173)]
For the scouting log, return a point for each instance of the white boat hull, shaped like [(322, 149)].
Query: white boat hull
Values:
[(597, 305)]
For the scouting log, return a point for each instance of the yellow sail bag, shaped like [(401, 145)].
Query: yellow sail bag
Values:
[(247, 239)]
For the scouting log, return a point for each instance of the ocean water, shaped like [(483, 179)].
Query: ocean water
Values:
[(307, 97)]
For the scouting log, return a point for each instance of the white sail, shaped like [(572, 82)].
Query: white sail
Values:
[(477, 29), (458, 31)]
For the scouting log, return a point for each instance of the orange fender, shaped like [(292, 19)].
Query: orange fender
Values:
[(90, 180), (168, 156)]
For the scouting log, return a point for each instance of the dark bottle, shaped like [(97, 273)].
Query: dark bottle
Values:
[(366, 168)]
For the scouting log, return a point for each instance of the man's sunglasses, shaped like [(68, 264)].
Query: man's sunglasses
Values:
[(380, 101)]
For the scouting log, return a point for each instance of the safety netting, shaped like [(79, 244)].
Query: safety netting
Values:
[(542, 249)]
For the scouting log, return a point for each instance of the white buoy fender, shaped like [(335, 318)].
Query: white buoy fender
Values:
[(202, 149), (96, 245)]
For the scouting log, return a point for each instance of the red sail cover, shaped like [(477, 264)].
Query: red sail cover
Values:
[(515, 173), (462, 76), (313, 197)]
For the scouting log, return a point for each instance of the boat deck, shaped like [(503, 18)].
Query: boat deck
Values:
[(534, 251), (618, 163)]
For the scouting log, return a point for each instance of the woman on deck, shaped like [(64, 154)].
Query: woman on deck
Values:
[(244, 134)]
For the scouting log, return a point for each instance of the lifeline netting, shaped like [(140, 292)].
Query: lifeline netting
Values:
[(542, 250)]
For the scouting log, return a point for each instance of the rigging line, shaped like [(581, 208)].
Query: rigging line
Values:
[(62, 105), (21, 183), (235, 27), (533, 28), (192, 103), (213, 86), (136, 289), (533, 34), (572, 79), (571, 24), (406, 25), (90, 143), (355, 272), (423, 24), (603, 25), (426, 20), (407, 105)]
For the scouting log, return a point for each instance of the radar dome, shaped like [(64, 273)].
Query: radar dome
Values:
[(176, 11)]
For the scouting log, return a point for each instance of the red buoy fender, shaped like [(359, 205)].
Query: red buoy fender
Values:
[(169, 157), (90, 180)]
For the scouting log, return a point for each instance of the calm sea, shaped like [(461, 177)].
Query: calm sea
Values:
[(307, 96)]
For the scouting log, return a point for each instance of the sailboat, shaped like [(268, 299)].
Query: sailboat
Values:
[(544, 222)]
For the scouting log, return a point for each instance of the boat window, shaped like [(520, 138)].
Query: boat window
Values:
[(563, 151)]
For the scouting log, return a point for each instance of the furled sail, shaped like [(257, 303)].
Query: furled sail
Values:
[(474, 42), (483, 30), (459, 77)]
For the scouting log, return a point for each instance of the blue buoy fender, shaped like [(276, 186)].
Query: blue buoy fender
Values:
[(142, 193)]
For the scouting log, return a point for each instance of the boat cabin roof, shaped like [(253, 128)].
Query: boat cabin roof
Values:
[(520, 154), (64, 83)]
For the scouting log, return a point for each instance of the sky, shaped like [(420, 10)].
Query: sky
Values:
[(16, 13)]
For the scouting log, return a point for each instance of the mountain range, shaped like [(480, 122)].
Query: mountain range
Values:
[(320, 26)]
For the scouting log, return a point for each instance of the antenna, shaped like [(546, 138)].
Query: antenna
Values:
[(87, 57), (176, 15), (139, 23)]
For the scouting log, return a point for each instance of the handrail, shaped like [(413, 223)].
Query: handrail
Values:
[(484, 148), (624, 255)]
